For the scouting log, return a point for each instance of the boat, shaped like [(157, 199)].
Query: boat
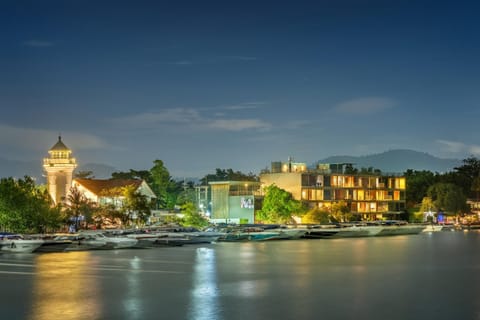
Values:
[(433, 228), (115, 242), (16, 243), (97, 240), (251, 234), (470, 226), (290, 233), (53, 244), (342, 231), (394, 227)]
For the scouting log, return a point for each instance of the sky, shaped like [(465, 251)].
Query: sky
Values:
[(237, 84)]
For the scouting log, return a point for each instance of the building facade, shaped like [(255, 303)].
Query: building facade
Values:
[(58, 168), (233, 201), (369, 196), (109, 191)]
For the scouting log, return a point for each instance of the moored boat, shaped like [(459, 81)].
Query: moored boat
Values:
[(394, 228), (16, 243), (433, 228)]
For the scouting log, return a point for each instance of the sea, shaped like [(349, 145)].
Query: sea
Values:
[(426, 276)]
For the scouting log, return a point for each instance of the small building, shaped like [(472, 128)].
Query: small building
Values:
[(107, 191), (233, 201)]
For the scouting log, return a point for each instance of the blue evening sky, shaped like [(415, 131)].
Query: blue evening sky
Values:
[(237, 84)]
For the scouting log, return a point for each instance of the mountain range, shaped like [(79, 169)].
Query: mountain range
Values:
[(398, 161), (393, 161)]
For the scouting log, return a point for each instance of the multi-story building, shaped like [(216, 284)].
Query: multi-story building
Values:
[(369, 195)]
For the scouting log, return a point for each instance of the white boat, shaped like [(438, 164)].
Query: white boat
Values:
[(16, 243), (393, 228), (343, 231), (290, 233), (98, 240), (433, 228)]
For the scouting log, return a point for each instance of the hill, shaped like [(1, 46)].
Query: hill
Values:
[(19, 169), (398, 161)]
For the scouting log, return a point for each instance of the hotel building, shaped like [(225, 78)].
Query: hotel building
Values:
[(369, 195)]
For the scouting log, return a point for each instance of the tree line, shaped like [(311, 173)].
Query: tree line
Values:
[(28, 208)]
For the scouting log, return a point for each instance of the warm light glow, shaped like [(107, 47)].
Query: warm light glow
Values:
[(65, 288)]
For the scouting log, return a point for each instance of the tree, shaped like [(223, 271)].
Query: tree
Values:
[(418, 183), (465, 176), (228, 175), (192, 217), (476, 187), (135, 207), (164, 187), (448, 197), (316, 216), (26, 208), (349, 169), (340, 212), (79, 208), (133, 174), (107, 215), (279, 206), (427, 206)]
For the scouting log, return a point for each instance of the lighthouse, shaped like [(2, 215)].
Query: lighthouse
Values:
[(59, 169)]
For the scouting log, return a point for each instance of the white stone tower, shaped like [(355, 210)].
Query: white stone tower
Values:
[(59, 170)]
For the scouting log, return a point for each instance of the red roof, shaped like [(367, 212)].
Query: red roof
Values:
[(97, 186)]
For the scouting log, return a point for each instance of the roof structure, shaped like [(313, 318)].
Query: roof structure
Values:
[(59, 146), (97, 186)]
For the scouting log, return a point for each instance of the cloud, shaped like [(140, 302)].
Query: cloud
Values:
[(37, 43), (452, 146), (365, 105), (190, 117), (239, 124), (168, 116), (246, 105), (459, 147), (40, 139)]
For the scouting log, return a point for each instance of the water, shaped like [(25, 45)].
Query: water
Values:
[(426, 276)]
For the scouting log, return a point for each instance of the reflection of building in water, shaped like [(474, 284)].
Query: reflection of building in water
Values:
[(204, 296), (64, 288)]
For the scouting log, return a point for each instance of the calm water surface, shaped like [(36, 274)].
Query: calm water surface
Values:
[(427, 276)]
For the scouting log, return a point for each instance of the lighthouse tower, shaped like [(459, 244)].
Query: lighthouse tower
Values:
[(59, 170)]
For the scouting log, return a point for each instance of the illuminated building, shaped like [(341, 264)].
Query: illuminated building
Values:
[(233, 201), (369, 195), (109, 191), (59, 171)]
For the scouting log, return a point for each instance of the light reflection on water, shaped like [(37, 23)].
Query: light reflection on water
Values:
[(133, 301), (402, 277), (204, 293), (65, 287)]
